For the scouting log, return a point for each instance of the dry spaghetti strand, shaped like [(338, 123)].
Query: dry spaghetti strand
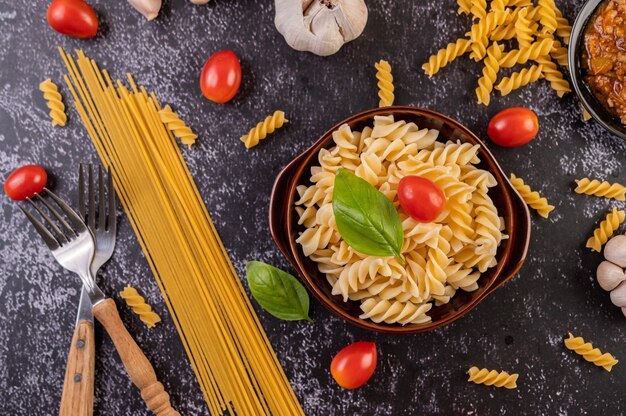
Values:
[(232, 358)]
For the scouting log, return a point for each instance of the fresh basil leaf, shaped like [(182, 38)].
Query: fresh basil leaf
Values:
[(365, 218), (278, 292)]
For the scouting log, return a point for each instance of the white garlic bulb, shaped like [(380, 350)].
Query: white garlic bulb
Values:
[(320, 26), (149, 8)]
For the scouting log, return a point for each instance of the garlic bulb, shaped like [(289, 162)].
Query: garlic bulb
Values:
[(320, 26), (149, 8)]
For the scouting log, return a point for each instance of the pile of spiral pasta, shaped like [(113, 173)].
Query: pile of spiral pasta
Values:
[(443, 256), (534, 32)]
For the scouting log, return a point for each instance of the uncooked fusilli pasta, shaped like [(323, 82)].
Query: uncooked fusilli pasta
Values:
[(492, 378), (547, 15), (446, 55), (55, 102), (265, 127), (589, 353), (532, 198), (606, 229), (554, 76), (521, 56), (523, 32), (519, 79), (602, 189), (385, 83), (139, 306), (177, 126), (442, 256), (490, 74)]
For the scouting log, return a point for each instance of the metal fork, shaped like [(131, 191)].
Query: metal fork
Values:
[(73, 247), (77, 397)]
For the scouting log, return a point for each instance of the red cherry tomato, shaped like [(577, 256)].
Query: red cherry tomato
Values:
[(354, 365), (420, 198), (513, 127), (73, 18), (25, 182), (221, 77)]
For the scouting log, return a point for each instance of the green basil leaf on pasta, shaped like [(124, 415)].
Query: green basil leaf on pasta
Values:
[(278, 292), (365, 217)]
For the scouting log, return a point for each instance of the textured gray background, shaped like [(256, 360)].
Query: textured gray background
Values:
[(519, 328)]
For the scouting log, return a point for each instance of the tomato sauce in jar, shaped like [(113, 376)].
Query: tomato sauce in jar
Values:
[(605, 56)]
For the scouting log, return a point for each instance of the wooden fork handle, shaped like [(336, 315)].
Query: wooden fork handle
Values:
[(77, 397), (137, 365)]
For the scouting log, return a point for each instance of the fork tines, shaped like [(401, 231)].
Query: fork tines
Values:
[(105, 221), (70, 224)]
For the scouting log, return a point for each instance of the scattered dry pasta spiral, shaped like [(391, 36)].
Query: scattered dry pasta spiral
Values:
[(498, 5), (177, 126), (519, 79), (597, 188), (479, 33), (444, 56), (547, 15), (265, 127), (140, 307), (532, 198), (605, 230), (490, 74), (554, 76), (492, 378), (523, 32), (478, 8), (589, 353), (55, 102), (559, 54), (533, 52), (464, 6), (385, 83)]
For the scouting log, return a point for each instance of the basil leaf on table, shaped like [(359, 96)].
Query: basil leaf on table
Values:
[(278, 292), (365, 217)]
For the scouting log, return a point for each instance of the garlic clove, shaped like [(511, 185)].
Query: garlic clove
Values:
[(618, 295), (320, 26), (609, 275), (149, 8), (615, 250)]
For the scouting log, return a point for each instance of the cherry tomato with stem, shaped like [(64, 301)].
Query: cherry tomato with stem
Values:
[(513, 127), (221, 77), (354, 365), (421, 198), (73, 18), (26, 181)]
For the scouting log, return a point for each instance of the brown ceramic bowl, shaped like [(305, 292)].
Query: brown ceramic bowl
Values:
[(511, 254)]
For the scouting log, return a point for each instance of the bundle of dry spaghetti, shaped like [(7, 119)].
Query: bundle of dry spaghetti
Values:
[(233, 360)]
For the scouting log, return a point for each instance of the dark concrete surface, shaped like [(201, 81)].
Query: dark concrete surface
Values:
[(519, 328)]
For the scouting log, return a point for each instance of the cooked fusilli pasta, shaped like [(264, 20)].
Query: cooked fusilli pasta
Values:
[(492, 378), (597, 188), (140, 307), (263, 128), (589, 353), (54, 101), (490, 74), (442, 256), (385, 83), (177, 126), (446, 55), (605, 230), (532, 198), (519, 79)]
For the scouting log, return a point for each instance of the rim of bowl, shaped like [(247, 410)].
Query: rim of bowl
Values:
[(596, 109), (302, 161)]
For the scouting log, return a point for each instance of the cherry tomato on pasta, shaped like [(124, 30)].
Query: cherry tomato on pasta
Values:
[(354, 365), (73, 18), (421, 198), (25, 182), (221, 77), (513, 127)]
